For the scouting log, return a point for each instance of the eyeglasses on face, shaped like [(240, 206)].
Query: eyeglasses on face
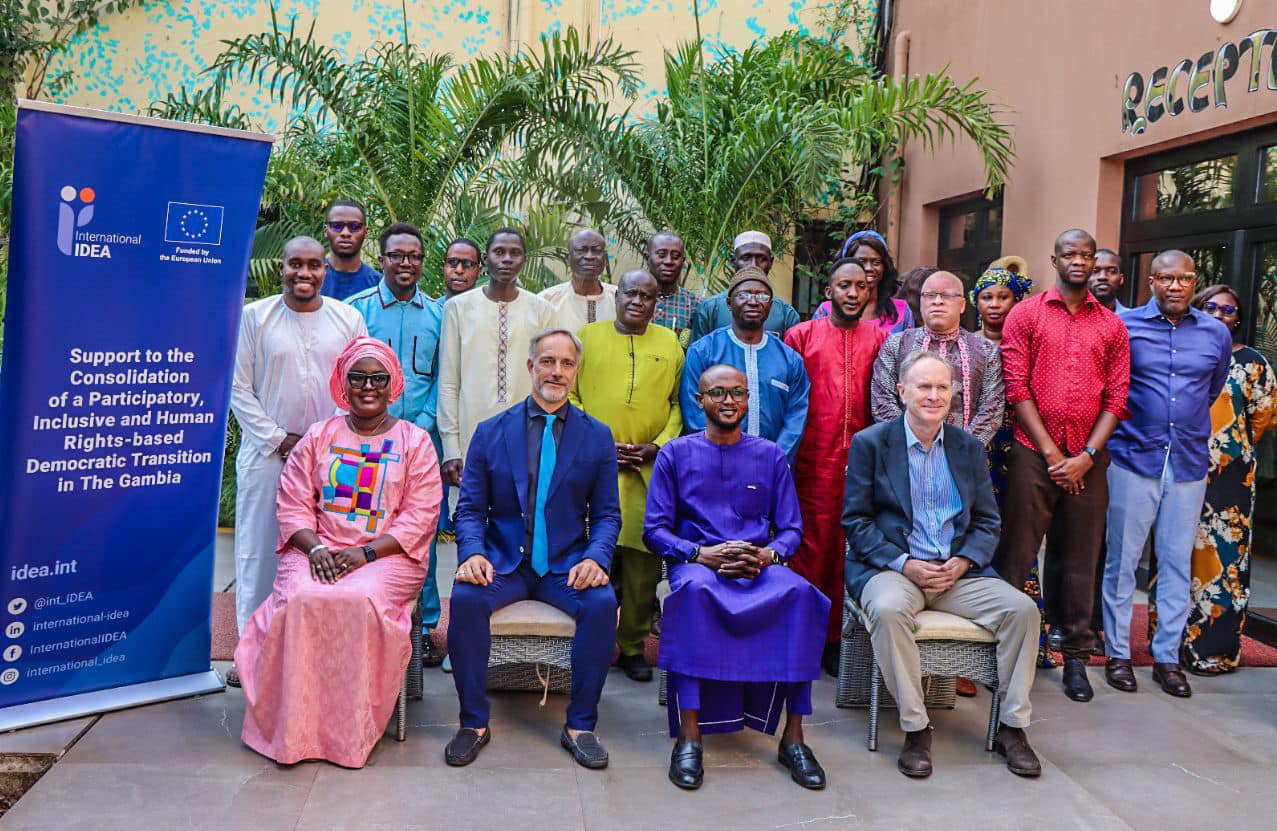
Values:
[(946, 296), (1212, 307), (354, 226), (460, 262), (377, 380), (719, 394), (1185, 279), (398, 257), (752, 296)]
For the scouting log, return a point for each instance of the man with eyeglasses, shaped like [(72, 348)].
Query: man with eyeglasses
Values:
[(979, 400), (288, 344), (750, 249), (775, 372), (461, 265), (838, 352), (1066, 362), (401, 316), (346, 228), (1179, 364), (584, 298), (742, 633)]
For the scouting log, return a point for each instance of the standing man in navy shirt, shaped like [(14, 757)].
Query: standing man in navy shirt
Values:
[(1157, 481), (345, 227)]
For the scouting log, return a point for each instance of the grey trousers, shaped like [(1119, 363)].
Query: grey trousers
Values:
[(892, 602)]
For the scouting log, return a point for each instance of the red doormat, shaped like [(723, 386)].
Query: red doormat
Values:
[(1254, 653)]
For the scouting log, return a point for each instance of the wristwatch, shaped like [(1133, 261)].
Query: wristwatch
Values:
[(370, 553), (696, 554), (1090, 451), (776, 560)]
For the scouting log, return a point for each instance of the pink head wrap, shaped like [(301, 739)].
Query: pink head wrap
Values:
[(355, 351)]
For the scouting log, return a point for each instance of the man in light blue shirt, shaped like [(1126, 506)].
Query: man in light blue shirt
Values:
[(1157, 481), (399, 314)]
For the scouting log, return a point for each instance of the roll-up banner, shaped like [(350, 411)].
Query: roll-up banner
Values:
[(130, 248)]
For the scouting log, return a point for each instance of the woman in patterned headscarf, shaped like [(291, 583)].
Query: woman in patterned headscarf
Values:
[(323, 658)]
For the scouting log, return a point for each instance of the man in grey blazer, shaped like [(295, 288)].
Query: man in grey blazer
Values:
[(921, 528)]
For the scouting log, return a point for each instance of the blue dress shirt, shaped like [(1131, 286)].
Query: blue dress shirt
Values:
[(411, 329), (1177, 372), (934, 497), (342, 285)]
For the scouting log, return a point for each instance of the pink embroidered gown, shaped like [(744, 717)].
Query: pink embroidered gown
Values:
[(321, 665)]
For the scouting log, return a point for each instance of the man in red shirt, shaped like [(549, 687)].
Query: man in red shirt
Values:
[(1066, 360), (838, 352)]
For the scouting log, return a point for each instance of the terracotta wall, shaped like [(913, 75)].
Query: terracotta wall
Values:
[(1061, 67)]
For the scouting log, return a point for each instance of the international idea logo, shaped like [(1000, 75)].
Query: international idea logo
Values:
[(76, 209)]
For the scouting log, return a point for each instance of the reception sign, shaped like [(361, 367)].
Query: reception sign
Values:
[(130, 246)]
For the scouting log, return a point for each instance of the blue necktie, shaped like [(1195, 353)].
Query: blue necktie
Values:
[(545, 472)]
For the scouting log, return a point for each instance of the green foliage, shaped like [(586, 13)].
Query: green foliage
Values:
[(416, 137)]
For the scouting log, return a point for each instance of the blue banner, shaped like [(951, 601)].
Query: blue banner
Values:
[(130, 247)]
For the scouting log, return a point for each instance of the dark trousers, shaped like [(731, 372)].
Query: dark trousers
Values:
[(1036, 507), (1050, 580), (470, 639)]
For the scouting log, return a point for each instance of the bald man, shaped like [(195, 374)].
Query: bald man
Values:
[(288, 344), (979, 399), (584, 298)]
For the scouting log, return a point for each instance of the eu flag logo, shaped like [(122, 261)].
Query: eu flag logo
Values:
[(188, 222)]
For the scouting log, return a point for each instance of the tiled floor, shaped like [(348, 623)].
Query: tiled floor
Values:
[(1122, 761)]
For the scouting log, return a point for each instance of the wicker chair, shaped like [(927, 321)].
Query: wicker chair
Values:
[(948, 646), (531, 648), (413, 680)]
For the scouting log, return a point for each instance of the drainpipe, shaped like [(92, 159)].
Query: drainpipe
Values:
[(899, 60)]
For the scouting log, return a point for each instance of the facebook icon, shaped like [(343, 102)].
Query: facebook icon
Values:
[(188, 222)]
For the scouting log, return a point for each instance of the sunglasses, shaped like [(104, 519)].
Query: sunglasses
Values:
[(718, 394), (354, 226), (458, 262), (1212, 306), (376, 380)]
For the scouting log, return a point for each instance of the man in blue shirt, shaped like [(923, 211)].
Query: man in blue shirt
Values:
[(346, 227), (409, 323), (1157, 481)]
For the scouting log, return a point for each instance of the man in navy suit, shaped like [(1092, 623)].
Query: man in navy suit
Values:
[(922, 527), (538, 517)]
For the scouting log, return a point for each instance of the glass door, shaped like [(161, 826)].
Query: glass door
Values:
[(1263, 597)]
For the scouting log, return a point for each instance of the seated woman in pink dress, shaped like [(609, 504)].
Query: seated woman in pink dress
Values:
[(322, 660)]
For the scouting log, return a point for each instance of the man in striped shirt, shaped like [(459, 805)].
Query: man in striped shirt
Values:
[(922, 526)]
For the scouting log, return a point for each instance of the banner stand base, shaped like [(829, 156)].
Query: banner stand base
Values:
[(101, 701)]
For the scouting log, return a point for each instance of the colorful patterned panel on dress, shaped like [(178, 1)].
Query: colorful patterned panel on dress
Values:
[(354, 482)]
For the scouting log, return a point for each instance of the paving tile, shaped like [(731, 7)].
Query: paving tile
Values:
[(140, 797), (1183, 793), (224, 562), (46, 738), (457, 799)]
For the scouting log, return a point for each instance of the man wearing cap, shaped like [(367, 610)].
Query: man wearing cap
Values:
[(778, 385), (752, 248)]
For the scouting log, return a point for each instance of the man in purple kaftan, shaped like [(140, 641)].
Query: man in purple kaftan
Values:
[(741, 634)]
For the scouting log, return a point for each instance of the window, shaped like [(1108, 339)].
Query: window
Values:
[(970, 236), (1268, 176), (1186, 189)]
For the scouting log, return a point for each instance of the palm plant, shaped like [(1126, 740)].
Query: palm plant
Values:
[(758, 139), (415, 137)]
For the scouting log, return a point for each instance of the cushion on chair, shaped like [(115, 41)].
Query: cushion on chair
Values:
[(942, 626), (532, 618)]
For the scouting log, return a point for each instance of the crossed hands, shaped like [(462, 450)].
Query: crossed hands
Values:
[(734, 558), (935, 577), (586, 574), (330, 566), (1068, 472), (634, 456)]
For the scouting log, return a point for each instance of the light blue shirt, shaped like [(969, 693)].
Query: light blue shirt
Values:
[(934, 497), (411, 329)]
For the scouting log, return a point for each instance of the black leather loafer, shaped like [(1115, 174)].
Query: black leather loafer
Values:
[(635, 667), (465, 746), (687, 769), (1119, 675), (1076, 685), (585, 748), (802, 765), (1171, 679)]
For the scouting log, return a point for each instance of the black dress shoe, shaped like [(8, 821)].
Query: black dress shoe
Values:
[(915, 756), (1076, 685), (802, 765), (1171, 679), (465, 746), (1119, 674), (430, 654), (585, 748), (1014, 745), (687, 770), (829, 659), (635, 667)]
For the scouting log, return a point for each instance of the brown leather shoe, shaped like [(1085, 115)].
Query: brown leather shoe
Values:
[(915, 756), (1172, 680), (1119, 674), (965, 687), (1014, 745)]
